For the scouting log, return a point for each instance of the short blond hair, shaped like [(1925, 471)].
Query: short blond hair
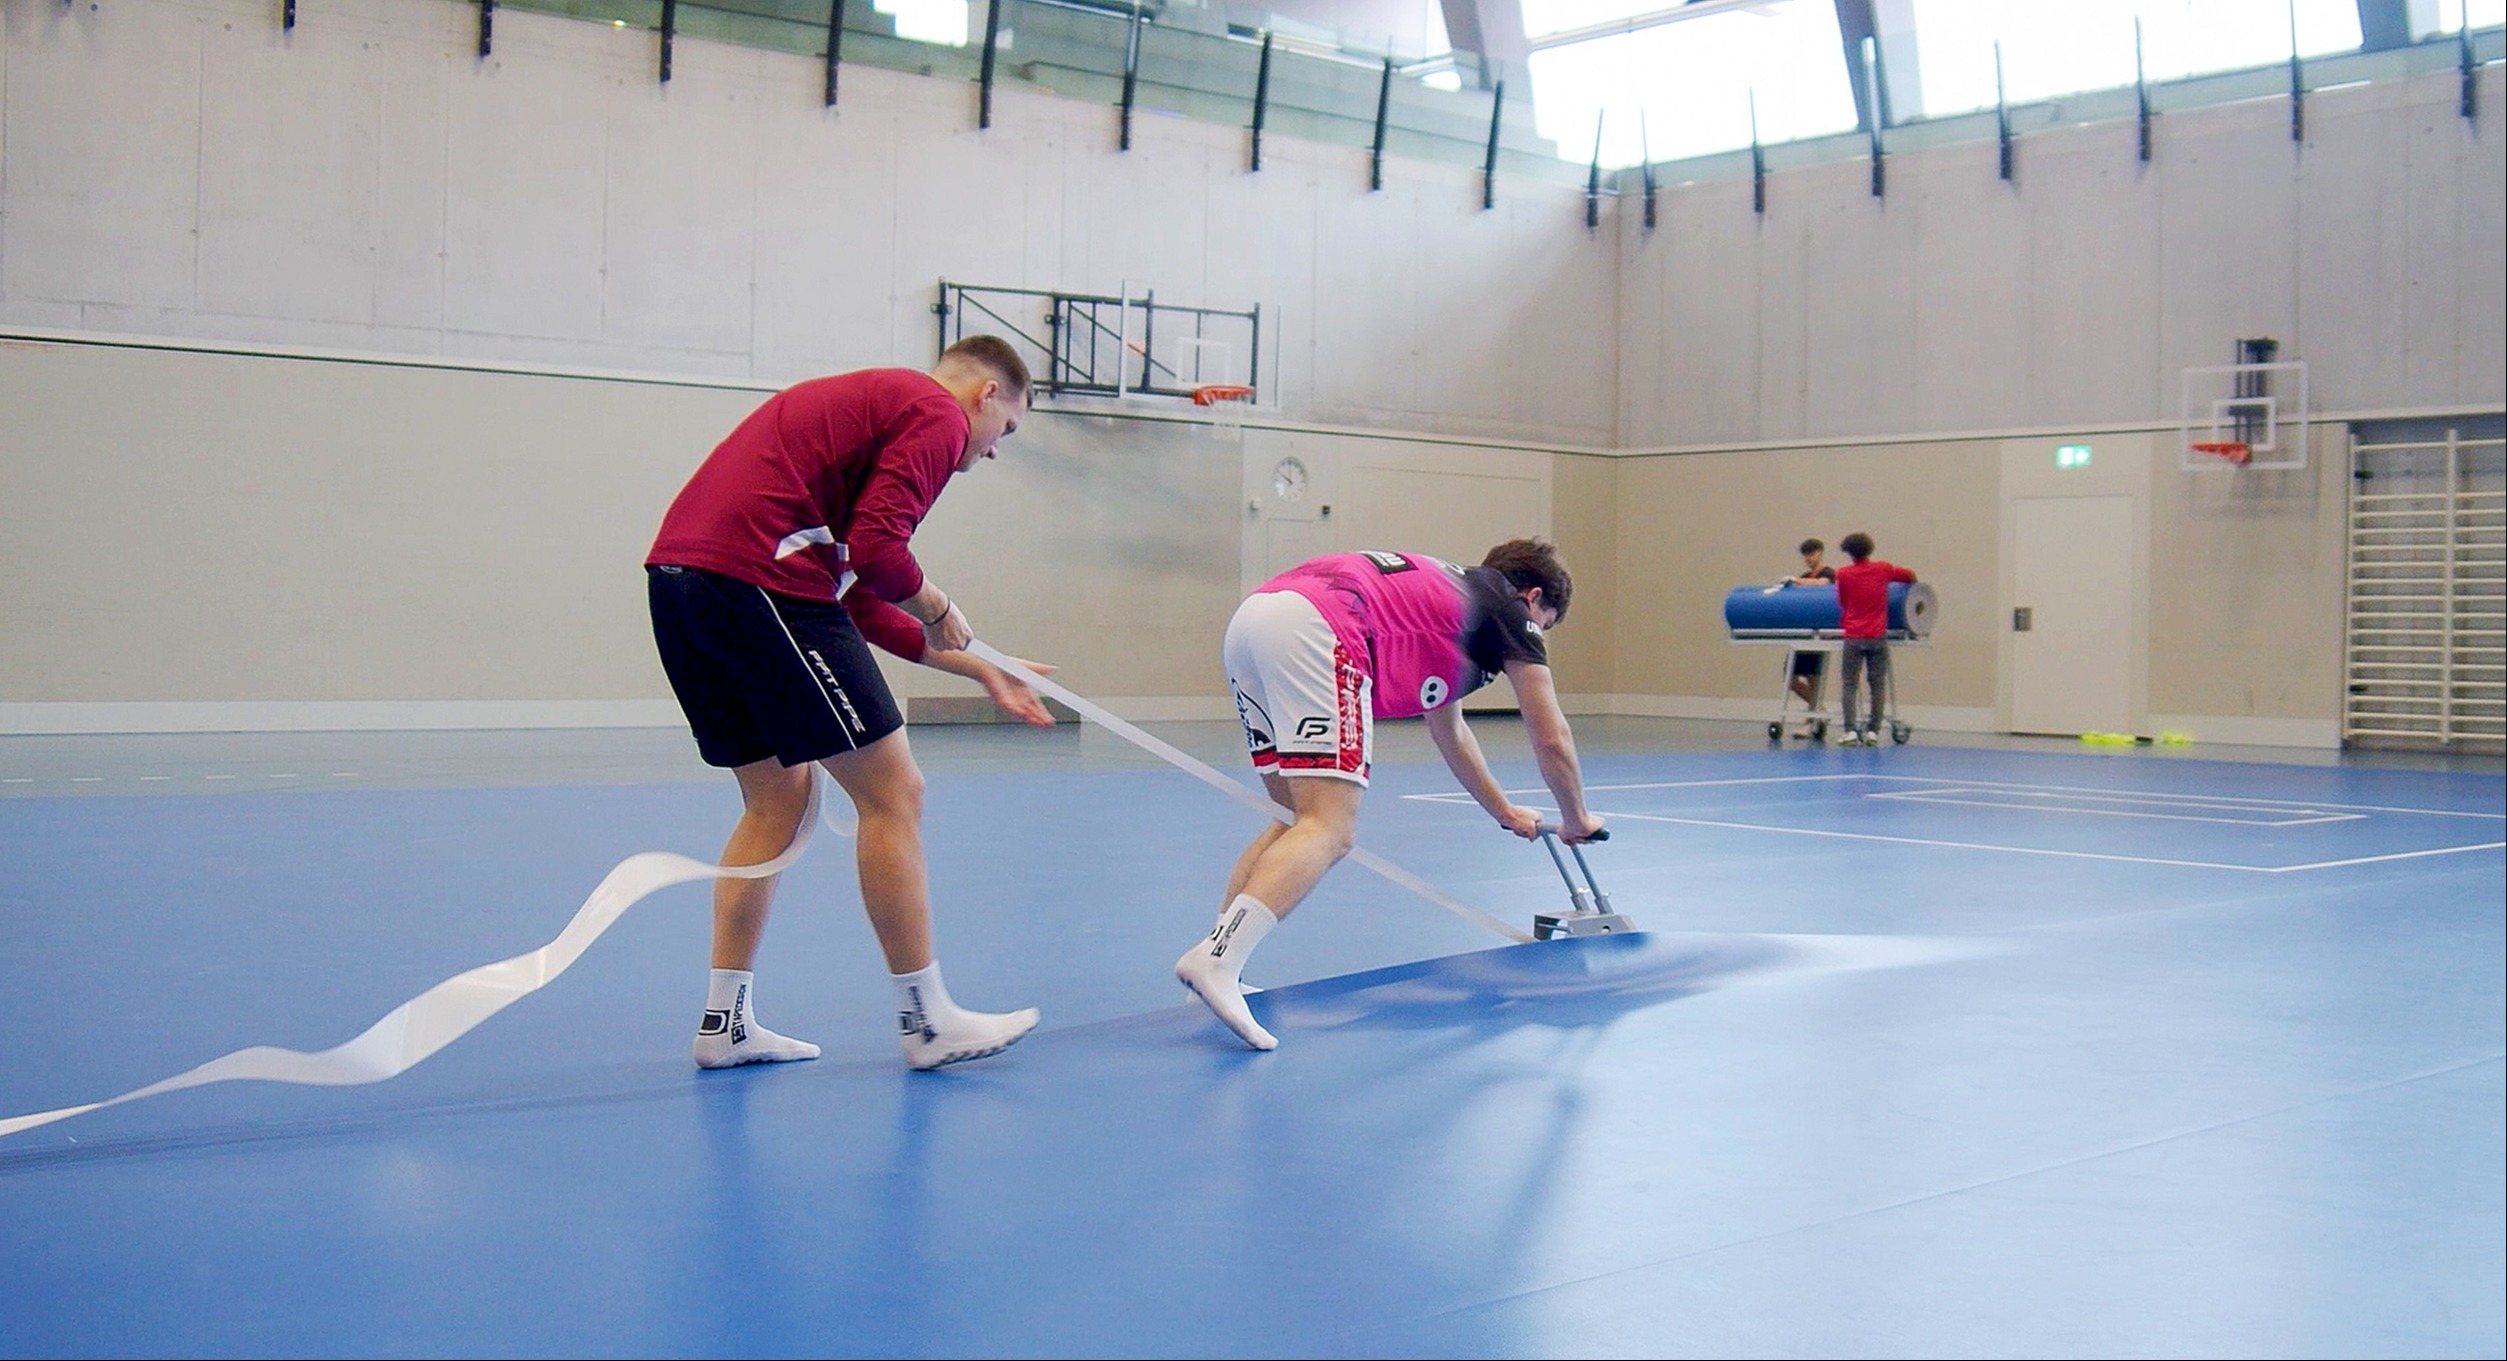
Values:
[(994, 354)]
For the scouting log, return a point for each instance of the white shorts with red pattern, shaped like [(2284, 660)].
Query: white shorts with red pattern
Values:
[(1306, 704)]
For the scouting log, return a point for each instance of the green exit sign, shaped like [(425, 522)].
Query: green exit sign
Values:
[(2071, 455)]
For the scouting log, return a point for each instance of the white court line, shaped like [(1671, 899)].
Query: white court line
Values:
[(1929, 796), (2069, 855), (1983, 784), (1458, 798)]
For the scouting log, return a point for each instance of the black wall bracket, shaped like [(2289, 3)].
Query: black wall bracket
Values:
[(992, 50), (1262, 98), (1383, 115), (1488, 170), (835, 46)]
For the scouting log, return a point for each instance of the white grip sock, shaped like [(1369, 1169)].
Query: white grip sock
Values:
[(1214, 968), (729, 1034), (934, 1030)]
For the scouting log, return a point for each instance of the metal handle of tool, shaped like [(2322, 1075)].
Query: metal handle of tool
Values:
[(1590, 898)]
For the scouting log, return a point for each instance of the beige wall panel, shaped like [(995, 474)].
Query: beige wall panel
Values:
[(2246, 595), (185, 527), (190, 527), (1692, 527), (1584, 523)]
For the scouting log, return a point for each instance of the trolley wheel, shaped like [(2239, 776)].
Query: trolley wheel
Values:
[(1899, 732), (1819, 731), (1775, 731)]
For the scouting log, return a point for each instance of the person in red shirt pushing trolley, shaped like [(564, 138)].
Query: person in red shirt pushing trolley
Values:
[(1863, 616)]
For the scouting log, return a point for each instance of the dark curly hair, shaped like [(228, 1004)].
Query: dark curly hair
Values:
[(1534, 562)]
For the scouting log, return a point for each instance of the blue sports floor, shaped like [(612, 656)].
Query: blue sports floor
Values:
[(1924, 1051)]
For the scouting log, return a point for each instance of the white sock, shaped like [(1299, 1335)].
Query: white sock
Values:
[(1214, 968), (729, 1035), (934, 1030)]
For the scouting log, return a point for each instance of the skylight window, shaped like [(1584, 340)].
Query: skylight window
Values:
[(1939, 54), (1689, 87)]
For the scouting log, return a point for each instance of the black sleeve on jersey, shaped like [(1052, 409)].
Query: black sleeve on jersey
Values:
[(1498, 625)]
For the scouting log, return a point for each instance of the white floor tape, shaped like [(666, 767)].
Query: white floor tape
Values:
[(449, 1010), (444, 1013), (1238, 792)]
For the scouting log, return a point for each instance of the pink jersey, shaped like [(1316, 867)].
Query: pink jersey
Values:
[(1426, 630)]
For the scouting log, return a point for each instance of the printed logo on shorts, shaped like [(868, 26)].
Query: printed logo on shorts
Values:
[(1389, 563), (1432, 692), (827, 681), (1257, 729), (1310, 728)]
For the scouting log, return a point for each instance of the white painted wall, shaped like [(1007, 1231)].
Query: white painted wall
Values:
[(2076, 294), (185, 168)]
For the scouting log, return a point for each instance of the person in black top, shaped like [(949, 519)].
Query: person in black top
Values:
[(1808, 662)]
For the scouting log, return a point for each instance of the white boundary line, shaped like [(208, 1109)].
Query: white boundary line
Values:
[(2070, 855), (1940, 796), (1996, 784), (1984, 846)]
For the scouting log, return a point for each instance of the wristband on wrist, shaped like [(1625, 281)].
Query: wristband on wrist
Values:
[(945, 607)]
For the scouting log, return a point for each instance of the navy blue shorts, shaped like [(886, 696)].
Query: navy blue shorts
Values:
[(760, 674)]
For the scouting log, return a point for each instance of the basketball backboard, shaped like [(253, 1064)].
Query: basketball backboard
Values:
[(2251, 416)]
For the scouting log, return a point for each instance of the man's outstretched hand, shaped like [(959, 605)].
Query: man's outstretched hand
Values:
[(1016, 697)]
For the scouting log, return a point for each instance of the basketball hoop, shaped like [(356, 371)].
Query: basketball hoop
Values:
[(1227, 403), (2235, 451)]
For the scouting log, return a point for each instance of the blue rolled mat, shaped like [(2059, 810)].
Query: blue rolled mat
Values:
[(1804, 610)]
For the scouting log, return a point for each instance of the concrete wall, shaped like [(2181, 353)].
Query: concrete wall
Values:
[(185, 168), (2078, 293)]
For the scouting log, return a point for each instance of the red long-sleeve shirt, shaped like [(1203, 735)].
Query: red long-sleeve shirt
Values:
[(830, 476), (1863, 596)]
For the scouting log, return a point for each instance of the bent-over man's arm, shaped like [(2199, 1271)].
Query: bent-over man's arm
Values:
[(1462, 756), (1553, 748)]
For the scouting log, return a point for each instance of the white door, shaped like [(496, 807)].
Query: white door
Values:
[(2072, 643)]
